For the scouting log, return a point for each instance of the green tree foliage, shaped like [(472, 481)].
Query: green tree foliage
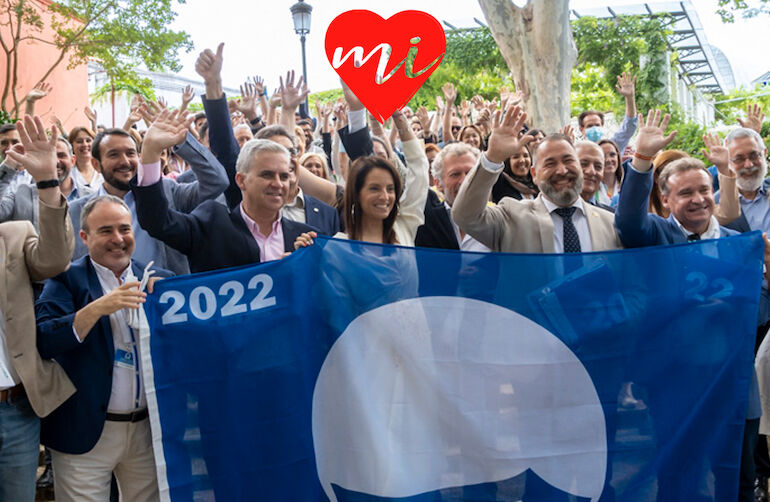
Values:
[(472, 63), (728, 8), (616, 45), (732, 105), (119, 34)]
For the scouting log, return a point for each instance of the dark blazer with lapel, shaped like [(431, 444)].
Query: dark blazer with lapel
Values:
[(437, 231), (212, 236), (75, 426), (321, 216), (636, 226)]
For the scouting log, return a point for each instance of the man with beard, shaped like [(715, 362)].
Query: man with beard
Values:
[(116, 156), (748, 162), (22, 203), (558, 220)]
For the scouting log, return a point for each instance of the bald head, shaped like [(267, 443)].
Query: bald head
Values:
[(591, 158)]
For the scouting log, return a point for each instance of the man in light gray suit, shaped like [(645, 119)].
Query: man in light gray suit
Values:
[(557, 221)]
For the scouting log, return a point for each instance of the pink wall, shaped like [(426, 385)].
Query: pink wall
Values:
[(70, 86)]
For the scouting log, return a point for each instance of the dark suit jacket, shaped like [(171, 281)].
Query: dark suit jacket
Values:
[(75, 426), (322, 217), (636, 226), (212, 236), (437, 231)]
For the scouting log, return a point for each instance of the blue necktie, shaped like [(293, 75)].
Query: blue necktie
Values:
[(571, 239)]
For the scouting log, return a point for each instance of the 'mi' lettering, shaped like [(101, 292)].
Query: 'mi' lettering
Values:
[(385, 50)]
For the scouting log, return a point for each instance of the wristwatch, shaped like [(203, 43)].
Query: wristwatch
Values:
[(47, 184)]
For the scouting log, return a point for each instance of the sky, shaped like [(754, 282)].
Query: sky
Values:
[(260, 40)]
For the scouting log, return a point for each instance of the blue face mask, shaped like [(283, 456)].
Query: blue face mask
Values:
[(594, 133)]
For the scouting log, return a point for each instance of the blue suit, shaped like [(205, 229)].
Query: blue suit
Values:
[(212, 236), (76, 425), (636, 226), (322, 217), (211, 181)]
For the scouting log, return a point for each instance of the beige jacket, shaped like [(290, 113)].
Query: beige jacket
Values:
[(26, 256), (520, 226)]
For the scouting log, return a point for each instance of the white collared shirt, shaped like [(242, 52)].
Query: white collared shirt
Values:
[(466, 243), (8, 376), (580, 221), (712, 232), (579, 218), (296, 210), (127, 392)]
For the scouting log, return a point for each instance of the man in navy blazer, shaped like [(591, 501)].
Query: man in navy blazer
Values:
[(687, 191), (212, 236), (82, 324), (301, 207)]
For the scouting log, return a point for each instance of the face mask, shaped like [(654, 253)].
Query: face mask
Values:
[(594, 133)]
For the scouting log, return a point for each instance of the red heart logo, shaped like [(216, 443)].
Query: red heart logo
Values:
[(385, 80)]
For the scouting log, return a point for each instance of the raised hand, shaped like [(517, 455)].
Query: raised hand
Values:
[(292, 95), (37, 153), (91, 116), (341, 114), (41, 90), (209, 64), (477, 102), (167, 130), (626, 85), (248, 102), (465, 109), (716, 153), (275, 99), (450, 93), (569, 132), (754, 118), (188, 94), (424, 118), (350, 98), (516, 98), (259, 84), (504, 140), (651, 137)]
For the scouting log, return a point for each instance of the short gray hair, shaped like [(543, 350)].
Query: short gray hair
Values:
[(252, 148), (452, 150), (679, 166), (745, 132), (589, 144), (64, 140), (93, 202)]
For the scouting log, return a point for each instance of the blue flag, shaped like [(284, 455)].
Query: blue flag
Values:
[(362, 372)]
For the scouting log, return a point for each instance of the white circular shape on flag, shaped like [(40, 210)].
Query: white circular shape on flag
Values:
[(438, 392)]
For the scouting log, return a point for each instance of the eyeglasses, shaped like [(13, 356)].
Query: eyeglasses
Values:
[(740, 159)]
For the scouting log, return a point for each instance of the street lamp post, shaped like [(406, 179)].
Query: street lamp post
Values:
[(300, 13)]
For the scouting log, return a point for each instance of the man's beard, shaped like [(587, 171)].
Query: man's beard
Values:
[(112, 180), (567, 195), (755, 181), (64, 173)]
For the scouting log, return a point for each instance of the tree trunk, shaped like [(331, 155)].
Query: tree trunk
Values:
[(536, 43)]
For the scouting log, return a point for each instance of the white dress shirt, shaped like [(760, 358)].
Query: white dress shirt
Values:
[(467, 243), (296, 210), (578, 219), (8, 376), (127, 392)]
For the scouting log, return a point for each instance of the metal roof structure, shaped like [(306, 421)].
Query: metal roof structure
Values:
[(763, 79), (700, 64)]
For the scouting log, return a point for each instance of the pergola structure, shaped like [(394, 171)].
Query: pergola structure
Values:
[(700, 64)]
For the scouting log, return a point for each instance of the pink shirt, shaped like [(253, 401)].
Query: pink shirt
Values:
[(270, 247)]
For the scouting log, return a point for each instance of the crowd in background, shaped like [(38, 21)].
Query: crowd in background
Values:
[(252, 179)]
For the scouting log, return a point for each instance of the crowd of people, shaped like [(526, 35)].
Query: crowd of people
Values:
[(85, 212)]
